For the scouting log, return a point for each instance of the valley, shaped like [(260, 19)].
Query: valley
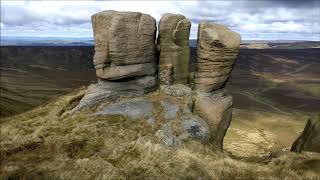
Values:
[(274, 90)]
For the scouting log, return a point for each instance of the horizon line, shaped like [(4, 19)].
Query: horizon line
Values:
[(90, 37)]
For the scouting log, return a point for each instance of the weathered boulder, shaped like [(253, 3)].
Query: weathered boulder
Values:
[(216, 109), (125, 56), (188, 127), (217, 50), (173, 40), (127, 37), (124, 44), (172, 119), (110, 90), (309, 140)]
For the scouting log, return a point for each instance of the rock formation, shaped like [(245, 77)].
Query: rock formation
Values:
[(309, 140), (178, 123), (125, 44), (217, 50), (174, 30), (125, 56), (216, 110), (125, 60)]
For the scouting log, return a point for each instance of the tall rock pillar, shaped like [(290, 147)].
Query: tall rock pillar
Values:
[(217, 50), (173, 41)]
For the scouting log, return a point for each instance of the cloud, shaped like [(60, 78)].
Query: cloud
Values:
[(282, 19)]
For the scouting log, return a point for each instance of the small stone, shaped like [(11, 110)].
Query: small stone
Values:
[(196, 127), (166, 136), (178, 90)]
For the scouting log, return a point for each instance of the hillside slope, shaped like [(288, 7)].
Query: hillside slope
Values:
[(43, 144), (272, 80)]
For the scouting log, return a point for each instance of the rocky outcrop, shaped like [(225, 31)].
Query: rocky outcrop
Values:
[(126, 65), (216, 110), (177, 123), (125, 56), (124, 44), (137, 108), (173, 40), (110, 90), (309, 140), (217, 50)]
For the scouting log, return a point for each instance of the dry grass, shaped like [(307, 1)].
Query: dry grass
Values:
[(41, 144)]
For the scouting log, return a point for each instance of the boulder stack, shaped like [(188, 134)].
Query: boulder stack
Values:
[(173, 40), (217, 50), (125, 56), (126, 63)]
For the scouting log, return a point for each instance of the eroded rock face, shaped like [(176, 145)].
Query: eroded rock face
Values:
[(173, 40), (309, 140), (124, 45), (125, 56), (216, 110), (217, 50), (110, 90), (126, 64)]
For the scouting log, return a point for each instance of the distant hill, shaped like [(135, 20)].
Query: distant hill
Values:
[(279, 44), (262, 78), (32, 75), (46, 41), (89, 41)]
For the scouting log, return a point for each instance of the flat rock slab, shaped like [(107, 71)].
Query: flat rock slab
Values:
[(108, 90), (127, 71), (137, 108)]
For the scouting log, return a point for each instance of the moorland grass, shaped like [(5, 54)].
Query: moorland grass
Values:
[(44, 143)]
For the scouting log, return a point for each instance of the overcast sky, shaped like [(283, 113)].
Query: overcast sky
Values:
[(258, 19)]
